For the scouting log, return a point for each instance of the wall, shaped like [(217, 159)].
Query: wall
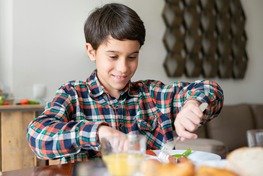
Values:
[(6, 77), (48, 47)]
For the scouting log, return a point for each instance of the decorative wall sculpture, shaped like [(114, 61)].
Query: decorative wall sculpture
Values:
[(205, 38)]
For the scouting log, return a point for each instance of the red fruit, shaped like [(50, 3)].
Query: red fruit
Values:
[(5, 103), (24, 102)]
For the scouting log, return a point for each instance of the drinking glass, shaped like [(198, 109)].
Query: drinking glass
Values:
[(255, 137), (123, 153)]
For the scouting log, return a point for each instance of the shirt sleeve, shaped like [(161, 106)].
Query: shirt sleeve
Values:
[(202, 91), (56, 133)]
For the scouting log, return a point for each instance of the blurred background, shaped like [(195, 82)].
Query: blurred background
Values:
[(42, 44)]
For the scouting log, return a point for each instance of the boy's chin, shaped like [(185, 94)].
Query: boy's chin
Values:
[(119, 86)]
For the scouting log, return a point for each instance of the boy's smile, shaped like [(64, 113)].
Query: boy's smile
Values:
[(116, 62)]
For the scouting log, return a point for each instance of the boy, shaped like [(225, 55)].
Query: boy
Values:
[(82, 112)]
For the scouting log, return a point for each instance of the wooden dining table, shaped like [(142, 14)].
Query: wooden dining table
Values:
[(60, 169), (90, 168)]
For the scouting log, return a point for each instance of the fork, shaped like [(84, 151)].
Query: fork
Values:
[(167, 147)]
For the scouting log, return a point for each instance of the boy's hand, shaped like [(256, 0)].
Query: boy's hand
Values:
[(116, 138), (105, 131), (188, 119)]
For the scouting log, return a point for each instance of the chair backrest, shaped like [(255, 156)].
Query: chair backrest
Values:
[(231, 125), (201, 132), (257, 110)]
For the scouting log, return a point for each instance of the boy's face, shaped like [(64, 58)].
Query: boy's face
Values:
[(116, 63)]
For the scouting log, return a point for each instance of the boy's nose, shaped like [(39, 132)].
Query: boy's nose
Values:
[(122, 66)]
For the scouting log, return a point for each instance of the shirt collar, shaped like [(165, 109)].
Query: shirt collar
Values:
[(96, 89), (94, 86)]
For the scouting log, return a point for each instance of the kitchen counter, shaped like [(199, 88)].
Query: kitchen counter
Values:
[(21, 108), (14, 150)]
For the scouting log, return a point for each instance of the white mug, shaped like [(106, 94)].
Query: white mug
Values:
[(39, 91)]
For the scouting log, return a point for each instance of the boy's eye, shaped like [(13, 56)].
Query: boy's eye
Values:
[(113, 56), (132, 57)]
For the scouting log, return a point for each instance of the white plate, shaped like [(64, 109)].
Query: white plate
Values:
[(212, 163), (195, 156), (199, 158)]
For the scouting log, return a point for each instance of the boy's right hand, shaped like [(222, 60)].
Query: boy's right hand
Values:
[(105, 131), (188, 120), (116, 138)]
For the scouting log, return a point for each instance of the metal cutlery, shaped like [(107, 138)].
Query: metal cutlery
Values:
[(167, 147)]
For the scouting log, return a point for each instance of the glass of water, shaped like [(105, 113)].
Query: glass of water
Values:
[(255, 137)]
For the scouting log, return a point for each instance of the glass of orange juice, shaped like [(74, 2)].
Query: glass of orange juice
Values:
[(123, 153)]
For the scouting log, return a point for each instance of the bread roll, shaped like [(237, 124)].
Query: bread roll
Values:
[(212, 171), (152, 167), (246, 161)]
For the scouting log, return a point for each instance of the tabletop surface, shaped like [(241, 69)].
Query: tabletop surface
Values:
[(91, 168), (21, 107), (61, 169)]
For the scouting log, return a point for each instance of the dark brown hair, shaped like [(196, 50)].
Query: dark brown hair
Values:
[(115, 20)]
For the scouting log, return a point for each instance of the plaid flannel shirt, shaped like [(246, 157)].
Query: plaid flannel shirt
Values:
[(67, 128)]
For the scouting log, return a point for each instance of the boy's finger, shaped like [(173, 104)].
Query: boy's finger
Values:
[(182, 132)]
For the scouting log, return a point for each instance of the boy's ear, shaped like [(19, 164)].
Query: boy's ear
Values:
[(91, 52)]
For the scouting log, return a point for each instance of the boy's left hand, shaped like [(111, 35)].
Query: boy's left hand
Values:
[(188, 120)]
